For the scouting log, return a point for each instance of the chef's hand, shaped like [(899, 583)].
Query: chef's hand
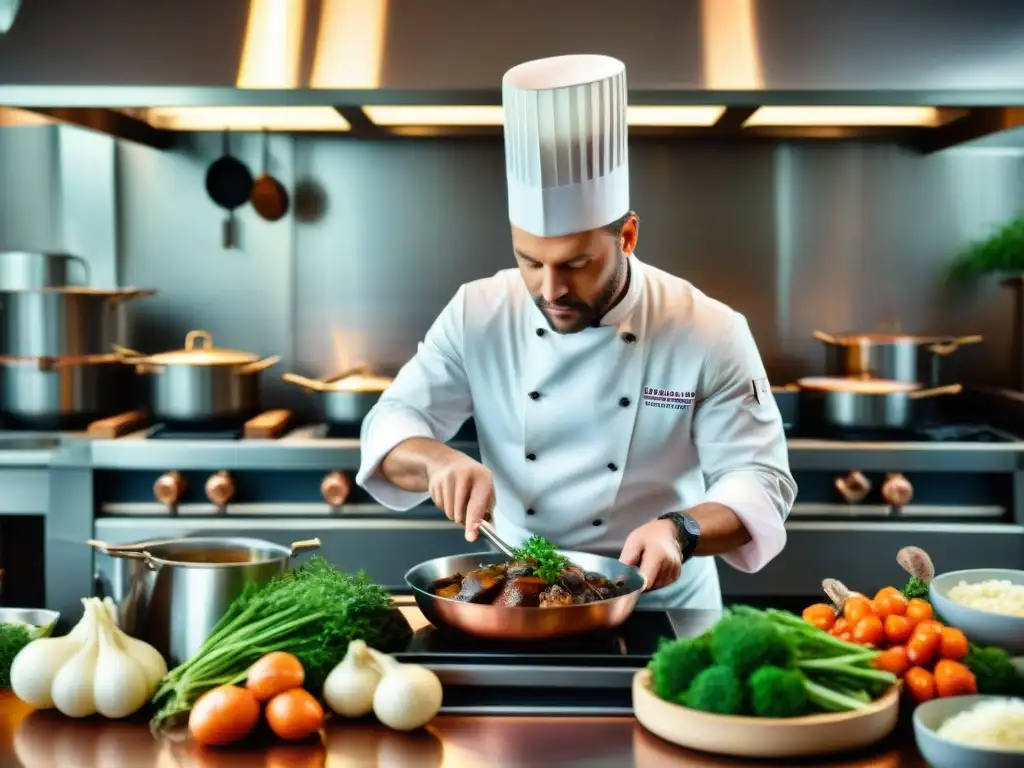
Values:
[(464, 489), (654, 548)]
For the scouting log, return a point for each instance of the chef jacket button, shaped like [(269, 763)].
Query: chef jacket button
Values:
[(596, 523), (534, 395), (624, 402), (628, 337), (531, 512), (531, 456), (541, 331), (612, 466)]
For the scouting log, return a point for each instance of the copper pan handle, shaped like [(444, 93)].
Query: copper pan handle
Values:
[(260, 365), (949, 389), (824, 337), (313, 385), (951, 346)]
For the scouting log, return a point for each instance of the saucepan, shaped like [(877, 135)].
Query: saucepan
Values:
[(892, 356), (172, 592), (201, 383), (865, 403), (346, 397), (493, 622)]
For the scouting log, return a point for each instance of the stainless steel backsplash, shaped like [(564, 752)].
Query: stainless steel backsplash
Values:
[(797, 236)]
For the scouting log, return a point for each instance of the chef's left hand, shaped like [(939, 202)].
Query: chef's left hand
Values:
[(653, 547)]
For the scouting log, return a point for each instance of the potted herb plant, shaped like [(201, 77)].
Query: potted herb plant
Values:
[(1002, 253)]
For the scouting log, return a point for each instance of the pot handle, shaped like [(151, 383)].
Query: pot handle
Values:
[(130, 293), (950, 389), (260, 365), (204, 337), (824, 337), (949, 347), (359, 369), (304, 545), (302, 381), (127, 355)]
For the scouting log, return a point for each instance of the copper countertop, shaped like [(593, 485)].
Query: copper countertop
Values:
[(47, 740)]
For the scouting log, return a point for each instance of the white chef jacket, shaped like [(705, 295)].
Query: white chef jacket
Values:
[(589, 435)]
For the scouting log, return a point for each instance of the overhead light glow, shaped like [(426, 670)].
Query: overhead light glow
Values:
[(247, 119), (493, 115), (928, 117)]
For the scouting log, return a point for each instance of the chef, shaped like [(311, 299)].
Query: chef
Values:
[(619, 410)]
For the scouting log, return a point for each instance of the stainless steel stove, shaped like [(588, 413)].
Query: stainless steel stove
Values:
[(587, 675)]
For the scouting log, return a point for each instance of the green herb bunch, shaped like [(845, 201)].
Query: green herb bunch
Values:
[(548, 562), (313, 612)]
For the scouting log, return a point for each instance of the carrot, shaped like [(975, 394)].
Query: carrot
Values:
[(918, 610), (820, 615), (920, 683), (869, 631), (890, 605), (893, 660), (953, 644), (841, 625), (922, 647), (897, 628), (954, 679), (857, 608)]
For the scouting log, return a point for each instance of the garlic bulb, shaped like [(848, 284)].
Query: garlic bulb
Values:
[(36, 665), (95, 668), (73, 683), (349, 688), (122, 686)]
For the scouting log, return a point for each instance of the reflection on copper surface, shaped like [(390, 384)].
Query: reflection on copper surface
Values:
[(49, 740), (732, 59), (350, 44), (272, 47)]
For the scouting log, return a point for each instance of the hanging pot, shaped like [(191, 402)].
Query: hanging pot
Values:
[(347, 397), (269, 197), (202, 384), (229, 185)]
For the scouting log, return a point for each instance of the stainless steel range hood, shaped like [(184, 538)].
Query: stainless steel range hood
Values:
[(138, 69)]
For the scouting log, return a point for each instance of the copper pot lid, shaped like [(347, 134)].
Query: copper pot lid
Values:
[(199, 350), (857, 385)]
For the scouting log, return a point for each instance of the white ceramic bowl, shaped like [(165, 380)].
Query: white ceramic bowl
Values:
[(943, 753), (981, 627), (762, 737)]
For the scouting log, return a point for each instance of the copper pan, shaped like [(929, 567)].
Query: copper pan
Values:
[(494, 622)]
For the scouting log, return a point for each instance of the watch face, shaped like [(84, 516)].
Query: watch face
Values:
[(691, 526)]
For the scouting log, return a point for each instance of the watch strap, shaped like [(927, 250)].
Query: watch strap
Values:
[(687, 532)]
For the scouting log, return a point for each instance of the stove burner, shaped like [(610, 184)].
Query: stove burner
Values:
[(633, 644), (175, 432)]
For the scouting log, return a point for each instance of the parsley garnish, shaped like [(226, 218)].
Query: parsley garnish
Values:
[(548, 562)]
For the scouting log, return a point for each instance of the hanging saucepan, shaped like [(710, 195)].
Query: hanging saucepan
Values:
[(229, 185), (892, 356), (202, 384), (347, 397), (269, 197), (865, 403)]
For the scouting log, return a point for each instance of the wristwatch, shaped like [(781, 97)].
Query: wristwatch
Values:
[(687, 532)]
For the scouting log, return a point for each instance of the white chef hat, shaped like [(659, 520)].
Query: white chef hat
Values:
[(566, 156)]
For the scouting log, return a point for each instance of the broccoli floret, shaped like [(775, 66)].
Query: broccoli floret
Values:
[(717, 689), (777, 692), (916, 588), (746, 643), (676, 663), (994, 671)]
